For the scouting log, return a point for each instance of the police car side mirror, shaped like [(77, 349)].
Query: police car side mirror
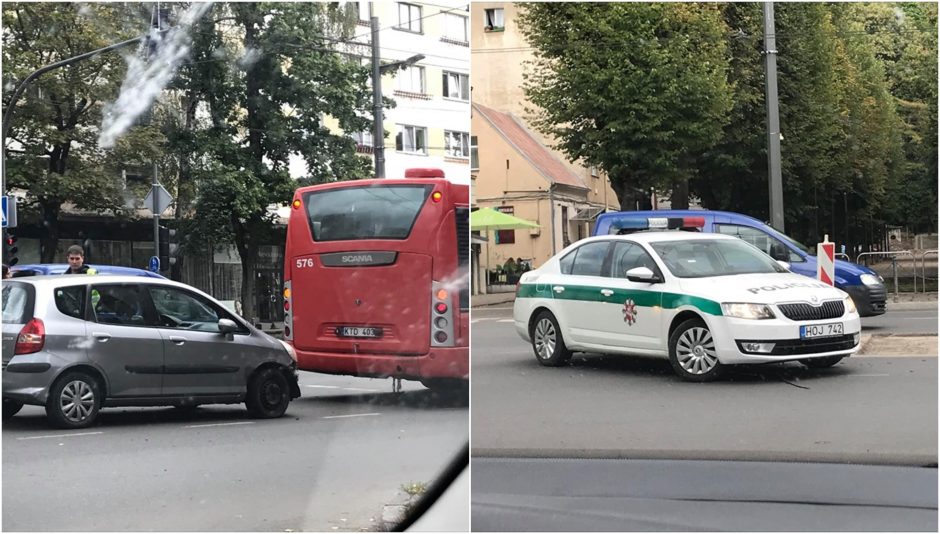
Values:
[(642, 275), (783, 264)]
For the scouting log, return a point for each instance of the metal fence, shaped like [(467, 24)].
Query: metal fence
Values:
[(897, 271), (928, 281)]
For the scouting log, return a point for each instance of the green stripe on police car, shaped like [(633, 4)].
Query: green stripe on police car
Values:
[(638, 296)]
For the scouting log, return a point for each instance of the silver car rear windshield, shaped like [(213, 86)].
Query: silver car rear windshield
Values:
[(720, 257), (16, 309)]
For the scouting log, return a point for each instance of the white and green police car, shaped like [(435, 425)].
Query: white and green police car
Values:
[(703, 300)]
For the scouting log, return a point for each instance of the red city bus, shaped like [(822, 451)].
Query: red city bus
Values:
[(376, 279)]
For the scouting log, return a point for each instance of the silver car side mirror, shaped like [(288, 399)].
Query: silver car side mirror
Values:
[(642, 275), (227, 326)]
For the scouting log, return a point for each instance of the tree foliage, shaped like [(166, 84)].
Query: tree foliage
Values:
[(637, 89), (657, 93)]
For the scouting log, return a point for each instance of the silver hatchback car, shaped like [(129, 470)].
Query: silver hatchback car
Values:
[(75, 344)]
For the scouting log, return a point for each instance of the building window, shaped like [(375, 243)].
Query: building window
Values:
[(409, 17), (410, 80), (493, 20), (455, 29), (363, 11), (457, 144), (456, 85), (363, 141), (411, 139), (474, 154), (505, 237)]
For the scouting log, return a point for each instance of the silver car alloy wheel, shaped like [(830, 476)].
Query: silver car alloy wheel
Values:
[(545, 338), (695, 351), (77, 401)]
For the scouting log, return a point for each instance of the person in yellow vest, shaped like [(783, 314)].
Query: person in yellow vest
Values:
[(76, 256)]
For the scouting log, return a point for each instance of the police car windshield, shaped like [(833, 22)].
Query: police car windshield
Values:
[(719, 257)]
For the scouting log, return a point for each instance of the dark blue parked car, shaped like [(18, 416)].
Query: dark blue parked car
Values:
[(864, 285), (35, 269)]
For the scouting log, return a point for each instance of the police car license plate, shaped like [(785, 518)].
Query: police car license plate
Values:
[(820, 330), (359, 331)]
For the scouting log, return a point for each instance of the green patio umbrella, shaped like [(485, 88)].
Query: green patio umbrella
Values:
[(486, 219)]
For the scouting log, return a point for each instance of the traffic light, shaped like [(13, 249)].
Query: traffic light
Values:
[(10, 250), (168, 248)]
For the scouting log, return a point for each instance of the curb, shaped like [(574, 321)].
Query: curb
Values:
[(394, 512)]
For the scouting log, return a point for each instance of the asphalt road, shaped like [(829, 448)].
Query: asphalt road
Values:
[(342, 451), (903, 321), (870, 409)]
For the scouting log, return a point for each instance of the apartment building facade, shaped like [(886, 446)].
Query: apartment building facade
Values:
[(430, 123)]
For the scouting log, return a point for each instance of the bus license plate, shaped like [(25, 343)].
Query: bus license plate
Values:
[(358, 331), (820, 330)]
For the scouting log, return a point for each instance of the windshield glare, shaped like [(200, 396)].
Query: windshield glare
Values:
[(702, 258)]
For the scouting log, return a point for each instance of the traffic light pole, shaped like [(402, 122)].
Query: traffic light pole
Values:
[(775, 178)]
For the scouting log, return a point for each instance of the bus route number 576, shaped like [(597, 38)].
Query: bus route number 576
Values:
[(304, 262)]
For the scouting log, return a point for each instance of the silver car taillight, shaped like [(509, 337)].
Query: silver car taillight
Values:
[(31, 338)]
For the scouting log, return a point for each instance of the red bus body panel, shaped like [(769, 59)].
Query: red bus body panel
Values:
[(396, 298)]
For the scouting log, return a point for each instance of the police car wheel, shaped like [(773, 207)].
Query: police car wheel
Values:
[(692, 352), (549, 346), (821, 363)]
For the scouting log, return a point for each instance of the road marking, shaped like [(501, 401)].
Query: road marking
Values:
[(63, 435), (872, 375), (361, 389), (221, 424), (351, 415), (506, 321), (324, 387)]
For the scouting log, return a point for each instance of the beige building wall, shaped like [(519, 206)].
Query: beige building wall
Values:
[(497, 70)]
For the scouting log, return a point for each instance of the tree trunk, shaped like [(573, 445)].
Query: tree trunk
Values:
[(248, 253), (184, 184), (680, 194), (49, 241)]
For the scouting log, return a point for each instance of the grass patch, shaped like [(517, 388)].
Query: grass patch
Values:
[(414, 489)]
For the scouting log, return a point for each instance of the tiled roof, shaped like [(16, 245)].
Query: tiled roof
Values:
[(522, 140)]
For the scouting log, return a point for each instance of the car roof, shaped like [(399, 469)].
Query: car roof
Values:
[(45, 281), (59, 268), (668, 235)]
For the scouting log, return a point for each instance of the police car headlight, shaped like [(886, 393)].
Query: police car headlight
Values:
[(745, 310), (850, 305), (871, 280)]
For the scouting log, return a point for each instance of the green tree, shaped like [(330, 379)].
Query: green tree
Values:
[(52, 143), (270, 77), (637, 89)]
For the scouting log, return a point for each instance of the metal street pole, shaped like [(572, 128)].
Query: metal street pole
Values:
[(156, 212), (773, 120), (378, 126)]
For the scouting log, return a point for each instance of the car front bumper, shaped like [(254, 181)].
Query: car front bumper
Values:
[(870, 300), (730, 334), (439, 363)]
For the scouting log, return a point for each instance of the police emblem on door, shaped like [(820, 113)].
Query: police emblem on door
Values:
[(629, 312)]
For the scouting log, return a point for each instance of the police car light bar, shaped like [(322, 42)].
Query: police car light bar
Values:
[(657, 223)]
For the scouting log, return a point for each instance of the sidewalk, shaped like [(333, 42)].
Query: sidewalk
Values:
[(479, 301)]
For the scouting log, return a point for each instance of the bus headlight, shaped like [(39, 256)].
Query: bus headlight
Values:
[(746, 310)]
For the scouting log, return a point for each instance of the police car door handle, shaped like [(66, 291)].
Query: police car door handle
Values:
[(559, 289), (101, 336), (607, 292), (178, 340)]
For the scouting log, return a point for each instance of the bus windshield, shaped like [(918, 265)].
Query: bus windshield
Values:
[(368, 212)]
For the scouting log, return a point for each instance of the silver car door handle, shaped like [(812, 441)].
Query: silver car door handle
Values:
[(178, 340), (607, 292), (101, 336), (559, 289)]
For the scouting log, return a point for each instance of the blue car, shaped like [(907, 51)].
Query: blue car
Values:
[(864, 285), (38, 269)]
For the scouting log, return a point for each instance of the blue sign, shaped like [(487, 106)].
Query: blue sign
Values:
[(154, 264), (5, 210)]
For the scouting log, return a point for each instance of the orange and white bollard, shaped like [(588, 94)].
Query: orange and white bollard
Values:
[(825, 261)]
